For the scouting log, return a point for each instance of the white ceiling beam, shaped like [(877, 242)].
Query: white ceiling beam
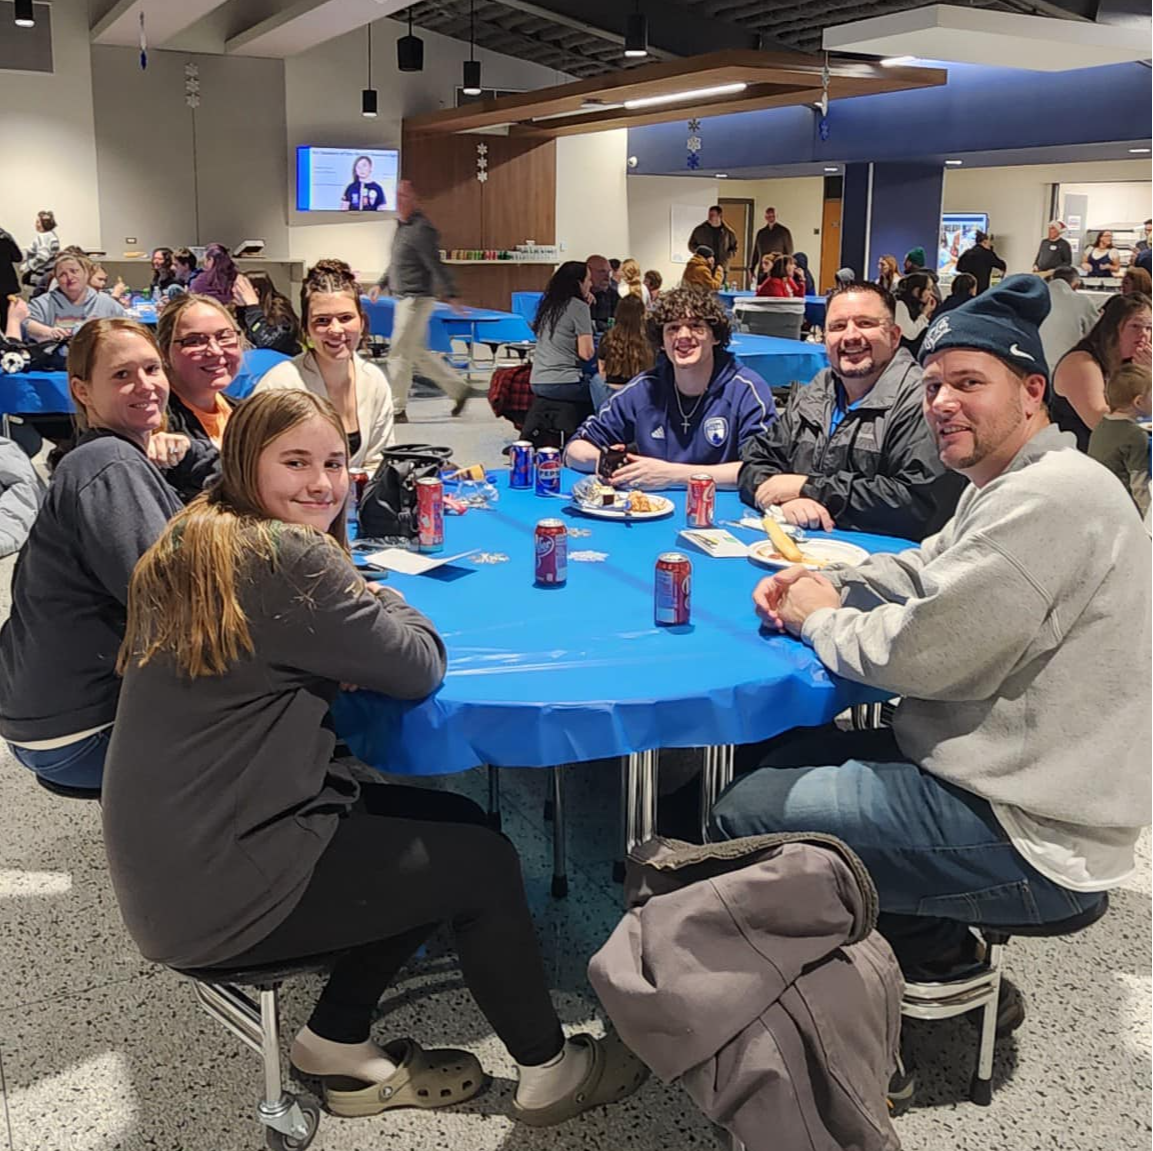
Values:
[(303, 24), (120, 25)]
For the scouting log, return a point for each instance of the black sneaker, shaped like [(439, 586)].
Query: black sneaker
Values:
[(1010, 1009), (400, 418), (902, 1091), (458, 407)]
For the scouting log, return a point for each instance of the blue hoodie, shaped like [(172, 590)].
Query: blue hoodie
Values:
[(737, 405)]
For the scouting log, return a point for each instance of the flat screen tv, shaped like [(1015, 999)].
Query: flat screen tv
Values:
[(958, 234), (346, 179)]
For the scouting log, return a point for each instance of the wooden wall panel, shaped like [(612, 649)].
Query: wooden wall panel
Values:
[(492, 285)]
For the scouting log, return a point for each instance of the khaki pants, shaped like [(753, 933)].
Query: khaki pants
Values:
[(407, 351)]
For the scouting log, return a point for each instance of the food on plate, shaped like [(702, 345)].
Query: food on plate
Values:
[(780, 539), (474, 472), (639, 502)]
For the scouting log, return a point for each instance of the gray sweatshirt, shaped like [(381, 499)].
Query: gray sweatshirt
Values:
[(1019, 637), (219, 796), (415, 267)]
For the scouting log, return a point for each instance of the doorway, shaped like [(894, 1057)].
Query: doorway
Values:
[(739, 217), (830, 244)]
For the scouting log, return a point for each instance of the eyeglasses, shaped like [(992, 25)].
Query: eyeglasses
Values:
[(695, 327), (198, 341)]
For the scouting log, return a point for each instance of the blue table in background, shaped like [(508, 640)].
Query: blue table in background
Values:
[(814, 305), (779, 362), (541, 677), (473, 325)]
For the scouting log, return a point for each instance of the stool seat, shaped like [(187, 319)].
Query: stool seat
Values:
[(1052, 929), (263, 975), (68, 792)]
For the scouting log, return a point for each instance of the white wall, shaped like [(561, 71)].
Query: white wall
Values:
[(592, 195), (322, 107), (650, 201), (799, 202), (47, 138), (1114, 203), (1018, 199)]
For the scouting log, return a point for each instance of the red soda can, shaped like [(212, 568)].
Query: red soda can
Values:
[(701, 501), (430, 514), (551, 553), (548, 471), (673, 585), (359, 481), (520, 465)]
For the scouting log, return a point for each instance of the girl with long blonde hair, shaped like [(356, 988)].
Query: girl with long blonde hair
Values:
[(631, 283), (233, 839)]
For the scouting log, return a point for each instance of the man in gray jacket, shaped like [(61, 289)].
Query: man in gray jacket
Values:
[(417, 277), (1015, 780), (851, 449), (1071, 315)]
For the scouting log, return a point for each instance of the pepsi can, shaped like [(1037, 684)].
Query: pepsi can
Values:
[(551, 553), (548, 472), (520, 465), (673, 585)]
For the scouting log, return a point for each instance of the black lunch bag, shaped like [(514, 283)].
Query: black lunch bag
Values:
[(388, 506)]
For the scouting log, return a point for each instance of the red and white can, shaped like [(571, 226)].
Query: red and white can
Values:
[(430, 514), (700, 501), (672, 589), (551, 553)]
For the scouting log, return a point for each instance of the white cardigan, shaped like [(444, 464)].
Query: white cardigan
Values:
[(373, 401)]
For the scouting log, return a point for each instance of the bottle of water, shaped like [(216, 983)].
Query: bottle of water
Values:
[(352, 513), (156, 295)]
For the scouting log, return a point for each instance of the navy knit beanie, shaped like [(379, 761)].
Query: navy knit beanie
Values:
[(1003, 321)]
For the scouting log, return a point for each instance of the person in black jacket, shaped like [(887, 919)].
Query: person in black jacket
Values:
[(109, 500), (980, 260), (265, 315), (852, 449)]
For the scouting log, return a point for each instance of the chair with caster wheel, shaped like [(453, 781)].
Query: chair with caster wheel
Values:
[(290, 1123), (981, 990)]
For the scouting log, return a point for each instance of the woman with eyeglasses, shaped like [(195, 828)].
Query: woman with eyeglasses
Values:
[(202, 349), (110, 498)]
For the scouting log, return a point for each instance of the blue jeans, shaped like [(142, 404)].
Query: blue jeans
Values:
[(79, 764), (937, 854), (599, 391)]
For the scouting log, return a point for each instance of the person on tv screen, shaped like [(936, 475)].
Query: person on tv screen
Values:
[(364, 194)]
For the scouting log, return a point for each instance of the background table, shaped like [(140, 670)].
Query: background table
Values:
[(779, 362), (475, 325), (539, 677)]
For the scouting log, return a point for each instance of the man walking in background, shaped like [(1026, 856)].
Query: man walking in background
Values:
[(773, 237), (980, 260), (417, 278), (714, 233)]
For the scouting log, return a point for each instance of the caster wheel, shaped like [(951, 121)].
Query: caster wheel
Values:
[(618, 871), (981, 1091), (559, 886), (278, 1141)]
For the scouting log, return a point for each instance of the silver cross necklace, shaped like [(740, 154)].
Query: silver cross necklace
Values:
[(686, 418)]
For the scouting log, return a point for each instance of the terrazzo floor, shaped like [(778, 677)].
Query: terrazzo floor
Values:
[(101, 1051)]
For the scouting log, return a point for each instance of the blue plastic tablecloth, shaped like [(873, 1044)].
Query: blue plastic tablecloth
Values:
[(539, 677), (444, 323), (779, 362), (39, 393)]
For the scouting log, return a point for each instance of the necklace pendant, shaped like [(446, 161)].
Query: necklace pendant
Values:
[(685, 425)]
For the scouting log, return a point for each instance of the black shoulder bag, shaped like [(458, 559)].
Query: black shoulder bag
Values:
[(388, 506)]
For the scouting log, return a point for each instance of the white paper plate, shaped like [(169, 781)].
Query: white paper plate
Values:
[(663, 508), (826, 551)]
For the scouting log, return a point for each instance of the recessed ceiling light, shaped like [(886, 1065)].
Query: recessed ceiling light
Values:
[(832, 169), (954, 163), (1139, 151), (897, 61), (721, 176), (692, 94)]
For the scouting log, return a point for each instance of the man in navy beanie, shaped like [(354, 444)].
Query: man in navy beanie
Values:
[(1015, 779)]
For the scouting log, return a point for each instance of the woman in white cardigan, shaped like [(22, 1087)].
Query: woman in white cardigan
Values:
[(334, 323)]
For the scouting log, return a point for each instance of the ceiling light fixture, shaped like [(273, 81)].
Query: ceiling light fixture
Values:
[(721, 176), (636, 34), (832, 170), (471, 85), (897, 61), (676, 97), (368, 95), (25, 17), (1139, 151), (953, 163), (410, 51)]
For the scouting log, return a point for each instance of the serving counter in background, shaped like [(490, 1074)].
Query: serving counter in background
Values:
[(286, 274)]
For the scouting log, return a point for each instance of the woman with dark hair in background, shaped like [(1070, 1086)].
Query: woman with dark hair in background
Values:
[(1102, 260), (802, 262), (184, 266), (653, 281), (265, 315), (364, 194), (1120, 336), (217, 276), (39, 258), (624, 353), (961, 291), (782, 281), (10, 256), (917, 300), (1136, 281), (163, 271)]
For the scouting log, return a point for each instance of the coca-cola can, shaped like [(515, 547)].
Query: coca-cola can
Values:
[(548, 471), (700, 501), (551, 553), (358, 481), (520, 465), (673, 585), (430, 514)]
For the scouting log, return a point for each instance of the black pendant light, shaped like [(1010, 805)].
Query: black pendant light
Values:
[(637, 34), (25, 17), (471, 85), (410, 50), (368, 95)]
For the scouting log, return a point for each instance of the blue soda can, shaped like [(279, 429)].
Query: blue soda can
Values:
[(548, 472), (520, 465)]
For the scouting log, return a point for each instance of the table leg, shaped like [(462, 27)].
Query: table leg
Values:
[(639, 796), (716, 775), (559, 831), (619, 864)]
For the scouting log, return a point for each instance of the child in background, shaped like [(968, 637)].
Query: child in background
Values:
[(1117, 441)]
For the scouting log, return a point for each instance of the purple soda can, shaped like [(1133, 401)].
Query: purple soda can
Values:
[(430, 514), (548, 472), (520, 465)]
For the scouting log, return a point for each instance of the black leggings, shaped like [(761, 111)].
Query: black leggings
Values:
[(403, 860)]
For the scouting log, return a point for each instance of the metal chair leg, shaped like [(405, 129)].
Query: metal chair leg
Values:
[(494, 797), (981, 1089), (716, 775), (638, 803), (559, 833), (619, 864)]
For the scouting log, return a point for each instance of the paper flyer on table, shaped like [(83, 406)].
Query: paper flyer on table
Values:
[(413, 563), (716, 541)]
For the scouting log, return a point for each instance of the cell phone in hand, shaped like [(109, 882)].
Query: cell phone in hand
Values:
[(611, 460)]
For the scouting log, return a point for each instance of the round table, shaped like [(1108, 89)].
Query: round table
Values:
[(541, 677)]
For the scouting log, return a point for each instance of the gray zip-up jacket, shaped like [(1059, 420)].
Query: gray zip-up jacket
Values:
[(415, 267), (750, 971), (877, 471)]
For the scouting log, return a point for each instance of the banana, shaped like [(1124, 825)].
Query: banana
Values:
[(781, 540)]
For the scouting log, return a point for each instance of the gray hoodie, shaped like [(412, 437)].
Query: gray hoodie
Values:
[(1019, 637)]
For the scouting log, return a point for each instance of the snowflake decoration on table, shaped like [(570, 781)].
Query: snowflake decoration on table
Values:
[(588, 557), (579, 533), (489, 558)]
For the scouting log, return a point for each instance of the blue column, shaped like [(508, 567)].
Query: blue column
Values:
[(855, 218)]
